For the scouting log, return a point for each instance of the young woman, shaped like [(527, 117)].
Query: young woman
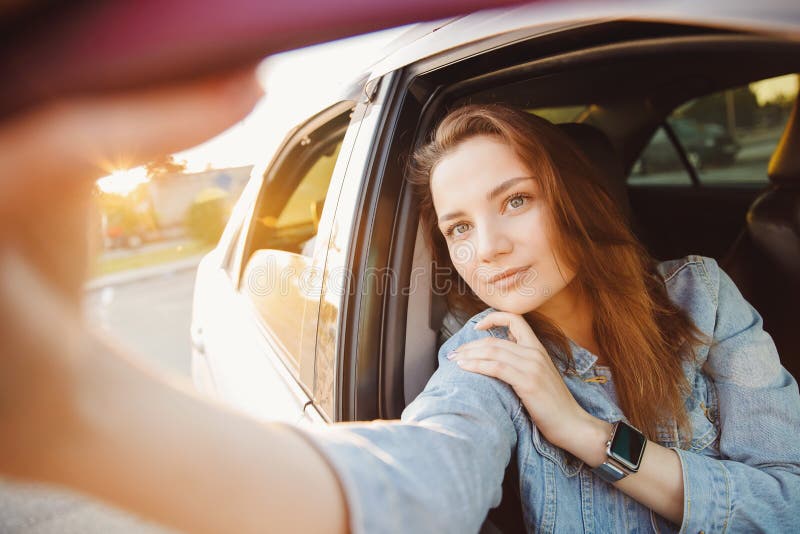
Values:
[(587, 347), (584, 330)]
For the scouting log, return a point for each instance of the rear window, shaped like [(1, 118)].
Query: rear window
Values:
[(725, 138)]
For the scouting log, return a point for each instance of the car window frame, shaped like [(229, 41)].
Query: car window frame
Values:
[(427, 85), (298, 366)]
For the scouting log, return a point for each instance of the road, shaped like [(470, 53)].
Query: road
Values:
[(151, 318)]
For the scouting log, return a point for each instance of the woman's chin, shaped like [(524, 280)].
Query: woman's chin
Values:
[(517, 304)]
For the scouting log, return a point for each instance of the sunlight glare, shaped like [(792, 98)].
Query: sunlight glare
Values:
[(782, 87), (123, 181)]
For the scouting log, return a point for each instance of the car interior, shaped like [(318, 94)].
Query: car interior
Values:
[(289, 210), (627, 90), (626, 78)]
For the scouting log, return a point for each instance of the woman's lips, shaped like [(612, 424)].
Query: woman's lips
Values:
[(509, 277)]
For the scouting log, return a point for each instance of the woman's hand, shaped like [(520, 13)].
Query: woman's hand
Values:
[(49, 159), (51, 156), (523, 363)]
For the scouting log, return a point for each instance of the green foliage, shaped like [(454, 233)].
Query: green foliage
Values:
[(114, 264), (166, 166), (127, 215), (713, 108), (207, 216)]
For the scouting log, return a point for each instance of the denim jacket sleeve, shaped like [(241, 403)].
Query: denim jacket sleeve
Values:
[(755, 485), (438, 469)]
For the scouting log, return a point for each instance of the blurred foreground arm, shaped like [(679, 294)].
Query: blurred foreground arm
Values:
[(73, 410)]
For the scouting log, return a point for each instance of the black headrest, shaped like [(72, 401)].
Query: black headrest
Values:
[(598, 149), (784, 166)]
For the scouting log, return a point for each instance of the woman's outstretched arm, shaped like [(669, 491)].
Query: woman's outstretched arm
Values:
[(99, 423), (79, 414), (72, 410)]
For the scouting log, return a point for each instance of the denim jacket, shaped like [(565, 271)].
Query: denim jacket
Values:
[(440, 468)]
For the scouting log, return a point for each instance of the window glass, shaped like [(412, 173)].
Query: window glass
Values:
[(728, 137), (280, 277), (304, 208), (560, 114), (289, 213), (659, 164)]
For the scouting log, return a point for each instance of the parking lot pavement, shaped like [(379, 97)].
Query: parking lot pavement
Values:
[(30, 509)]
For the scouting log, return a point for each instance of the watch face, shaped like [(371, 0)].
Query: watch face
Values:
[(627, 446)]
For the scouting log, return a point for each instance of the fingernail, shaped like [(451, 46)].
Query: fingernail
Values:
[(461, 363), (451, 355)]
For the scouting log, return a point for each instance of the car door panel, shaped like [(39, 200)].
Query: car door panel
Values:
[(249, 375), (675, 221)]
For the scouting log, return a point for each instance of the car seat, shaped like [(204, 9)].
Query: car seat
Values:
[(764, 262)]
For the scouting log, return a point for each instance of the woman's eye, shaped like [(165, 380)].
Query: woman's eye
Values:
[(516, 201), (460, 228), (456, 229)]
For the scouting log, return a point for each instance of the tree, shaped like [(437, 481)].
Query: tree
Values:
[(165, 166), (206, 217), (715, 108)]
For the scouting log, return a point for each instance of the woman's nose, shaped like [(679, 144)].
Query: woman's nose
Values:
[(492, 242)]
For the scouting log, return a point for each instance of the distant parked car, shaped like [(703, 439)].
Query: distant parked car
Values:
[(703, 143)]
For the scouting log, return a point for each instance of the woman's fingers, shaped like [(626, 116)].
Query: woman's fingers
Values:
[(495, 369), (86, 137), (499, 358), (497, 361), (518, 327), (50, 157), (489, 345), (498, 349)]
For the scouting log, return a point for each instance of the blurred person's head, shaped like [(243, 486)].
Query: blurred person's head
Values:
[(503, 192)]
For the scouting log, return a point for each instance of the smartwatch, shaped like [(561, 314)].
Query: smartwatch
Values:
[(624, 452)]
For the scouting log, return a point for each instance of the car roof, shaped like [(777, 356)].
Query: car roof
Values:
[(423, 41), (497, 27)]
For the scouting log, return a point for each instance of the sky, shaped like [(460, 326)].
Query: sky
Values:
[(768, 90), (296, 83)]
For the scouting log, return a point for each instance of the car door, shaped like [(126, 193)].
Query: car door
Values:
[(258, 295), (345, 387)]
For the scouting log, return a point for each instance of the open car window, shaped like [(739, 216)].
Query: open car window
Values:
[(279, 271)]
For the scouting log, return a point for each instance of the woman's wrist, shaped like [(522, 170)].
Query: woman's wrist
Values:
[(588, 440)]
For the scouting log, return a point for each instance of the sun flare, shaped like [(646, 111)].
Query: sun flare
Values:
[(123, 181)]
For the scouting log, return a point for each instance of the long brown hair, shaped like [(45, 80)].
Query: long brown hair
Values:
[(644, 336)]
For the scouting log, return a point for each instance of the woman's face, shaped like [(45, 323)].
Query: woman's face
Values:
[(497, 227)]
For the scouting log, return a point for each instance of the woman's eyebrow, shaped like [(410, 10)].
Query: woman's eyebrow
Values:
[(451, 215), (497, 191), (505, 186)]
